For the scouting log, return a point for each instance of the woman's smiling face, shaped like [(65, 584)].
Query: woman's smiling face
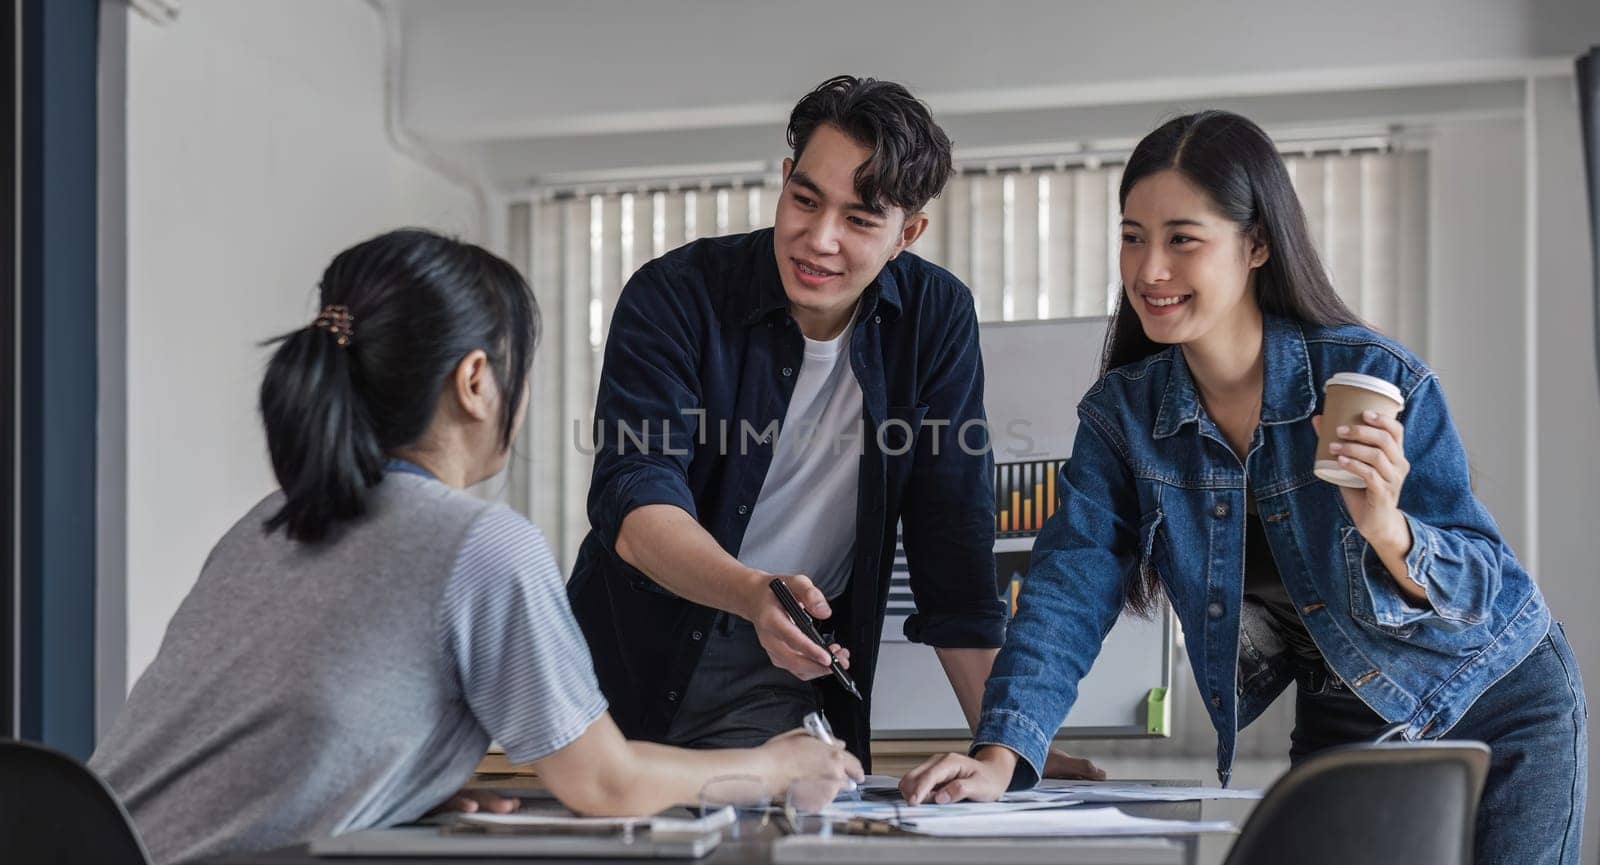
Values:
[(1185, 266)]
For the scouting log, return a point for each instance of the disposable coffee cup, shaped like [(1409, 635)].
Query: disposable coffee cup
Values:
[(1350, 395)]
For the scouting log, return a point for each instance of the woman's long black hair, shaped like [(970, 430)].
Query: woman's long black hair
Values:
[(1239, 168), (418, 304)]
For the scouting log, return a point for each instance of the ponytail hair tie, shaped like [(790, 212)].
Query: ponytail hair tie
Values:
[(337, 320)]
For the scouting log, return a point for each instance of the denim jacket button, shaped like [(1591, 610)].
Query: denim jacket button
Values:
[(1216, 702), (672, 696), (877, 319), (1215, 609), (1220, 511), (744, 509), (695, 635), (788, 371)]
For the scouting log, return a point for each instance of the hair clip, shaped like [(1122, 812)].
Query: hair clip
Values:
[(337, 320)]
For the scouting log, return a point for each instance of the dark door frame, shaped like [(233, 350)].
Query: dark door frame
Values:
[(10, 722), (53, 405)]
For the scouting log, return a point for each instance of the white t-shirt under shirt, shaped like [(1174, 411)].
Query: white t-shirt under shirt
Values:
[(804, 520)]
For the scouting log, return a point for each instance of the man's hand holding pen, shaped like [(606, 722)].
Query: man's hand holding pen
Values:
[(808, 626), (785, 642)]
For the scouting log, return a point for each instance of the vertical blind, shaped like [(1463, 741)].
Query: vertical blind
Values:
[(1030, 243), (577, 251)]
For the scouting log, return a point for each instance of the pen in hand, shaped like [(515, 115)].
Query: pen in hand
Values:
[(816, 724), (802, 620)]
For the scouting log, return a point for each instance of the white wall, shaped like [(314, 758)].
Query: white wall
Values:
[(516, 162), (1568, 421), (1476, 190), (509, 68), (1496, 187), (256, 151), (554, 87)]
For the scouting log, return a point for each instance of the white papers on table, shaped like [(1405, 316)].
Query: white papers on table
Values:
[(1043, 811), (887, 788), (897, 813), (1054, 823), (600, 825), (1110, 791)]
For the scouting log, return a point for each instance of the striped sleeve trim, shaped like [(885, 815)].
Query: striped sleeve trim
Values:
[(509, 633)]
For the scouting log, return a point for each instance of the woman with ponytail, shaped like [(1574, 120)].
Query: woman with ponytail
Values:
[(356, 640)]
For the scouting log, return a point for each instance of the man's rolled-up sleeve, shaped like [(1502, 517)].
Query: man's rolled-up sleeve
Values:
[(948, 516), (647, 409)]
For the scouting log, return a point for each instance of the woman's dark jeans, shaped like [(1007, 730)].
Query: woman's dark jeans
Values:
[(1535, 722)]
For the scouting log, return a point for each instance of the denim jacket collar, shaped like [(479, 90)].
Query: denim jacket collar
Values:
[(1288, 393), (882, 295)]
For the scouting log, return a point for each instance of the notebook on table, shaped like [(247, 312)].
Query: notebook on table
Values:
[(536, 836)]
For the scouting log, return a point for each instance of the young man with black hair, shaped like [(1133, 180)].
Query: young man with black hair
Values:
[(774, 404)]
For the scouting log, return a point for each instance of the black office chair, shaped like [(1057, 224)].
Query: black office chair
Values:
[(54, 811), (1413, 803)]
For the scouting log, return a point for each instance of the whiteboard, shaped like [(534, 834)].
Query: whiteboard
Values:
[(1035, 372)]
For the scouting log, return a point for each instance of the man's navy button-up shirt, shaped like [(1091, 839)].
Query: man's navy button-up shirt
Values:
[(698, 370)]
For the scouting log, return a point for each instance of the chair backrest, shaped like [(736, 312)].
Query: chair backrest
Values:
[(54, 811), (1413, 803)]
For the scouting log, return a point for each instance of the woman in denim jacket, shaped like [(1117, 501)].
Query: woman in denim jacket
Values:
[(1399, 604)]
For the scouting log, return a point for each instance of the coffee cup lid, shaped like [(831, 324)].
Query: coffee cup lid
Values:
[(1372, 383)]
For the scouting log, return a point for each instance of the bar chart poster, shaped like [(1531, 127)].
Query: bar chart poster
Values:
[(1024, 496), (1036, 372), (1009, 568)]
